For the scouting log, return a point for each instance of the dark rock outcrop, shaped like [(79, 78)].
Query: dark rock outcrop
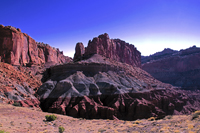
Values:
[(115, 49), (101, 88), (18, 48), (179, 68), (80, 51)]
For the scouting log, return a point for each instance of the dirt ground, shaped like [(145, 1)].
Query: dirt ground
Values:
[(31, 120)]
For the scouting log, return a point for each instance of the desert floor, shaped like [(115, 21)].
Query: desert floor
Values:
[(30, 120)]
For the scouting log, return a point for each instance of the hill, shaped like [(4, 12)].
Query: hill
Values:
[(179, 68)]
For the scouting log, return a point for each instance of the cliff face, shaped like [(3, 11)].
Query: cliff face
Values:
[(179, 68), (48, 54), (115, 49), (18, 48)]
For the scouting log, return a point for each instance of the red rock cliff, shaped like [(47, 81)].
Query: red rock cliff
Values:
[(48, 54), (18, 48), (115, 49)]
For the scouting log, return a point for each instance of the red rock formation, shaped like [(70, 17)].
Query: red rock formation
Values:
[(80, 51), (101, 88), (16, 86), (179, 68), (18, 48), (48, 54), (115, 49)]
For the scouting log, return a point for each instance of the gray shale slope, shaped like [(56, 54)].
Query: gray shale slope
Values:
[(98, 87)]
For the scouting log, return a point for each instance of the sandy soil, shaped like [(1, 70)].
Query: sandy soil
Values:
[(31, 120)]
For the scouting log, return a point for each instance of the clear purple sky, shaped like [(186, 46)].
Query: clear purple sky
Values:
[(151, 25)]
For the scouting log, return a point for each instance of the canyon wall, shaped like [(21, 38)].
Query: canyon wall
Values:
[(18, 48), (179, 68)]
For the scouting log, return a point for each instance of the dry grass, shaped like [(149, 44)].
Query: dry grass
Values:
[(17, 119)]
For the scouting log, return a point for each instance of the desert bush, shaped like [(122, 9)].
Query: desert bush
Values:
[(17, 104), (137, 122), (168, 117), (195, 114), (50, 117), (151, 119), (61, 129), (2, 131), (101, 130)]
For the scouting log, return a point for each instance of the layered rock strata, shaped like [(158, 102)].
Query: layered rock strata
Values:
[(103, 88), (18, 48), (179, 68), (18, 87), (114, 49)]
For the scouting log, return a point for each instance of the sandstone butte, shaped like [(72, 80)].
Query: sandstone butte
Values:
[(179, 68), (114, 49), (104, 81)]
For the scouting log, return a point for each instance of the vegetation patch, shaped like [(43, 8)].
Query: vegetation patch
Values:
[(17, 104), (195, 114), (50, 117), (101, 130), (2, 131), (151, 119), (61, 129)]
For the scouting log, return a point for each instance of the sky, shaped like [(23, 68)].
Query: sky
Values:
[(150, 25)]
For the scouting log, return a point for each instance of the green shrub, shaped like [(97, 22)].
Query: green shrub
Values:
[(151, 119), (50, 117), (195, 115), (61, 129), (168, 117), (17, 104), (2, 131), (197, 112), (101, 130)]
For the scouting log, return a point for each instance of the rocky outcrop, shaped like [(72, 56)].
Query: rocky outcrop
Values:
[(80, 51), (115, 49), (179, 68), (101, 88), (18, 48), (18, 86)]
